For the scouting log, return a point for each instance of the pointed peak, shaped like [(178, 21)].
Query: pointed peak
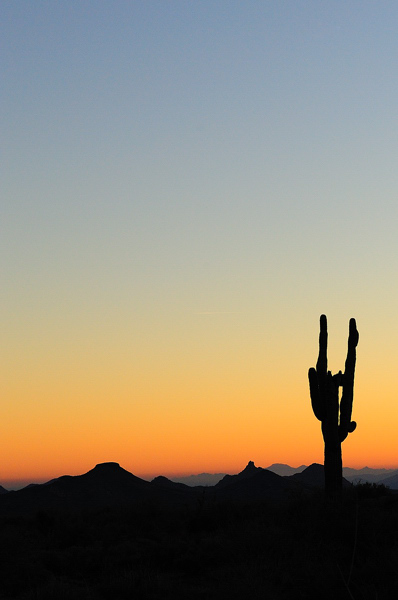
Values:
[(250, 467)]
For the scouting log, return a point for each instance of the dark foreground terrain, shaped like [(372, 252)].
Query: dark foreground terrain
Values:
[(297, 547)]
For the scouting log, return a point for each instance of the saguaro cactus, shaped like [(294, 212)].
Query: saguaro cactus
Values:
[(335, 417)]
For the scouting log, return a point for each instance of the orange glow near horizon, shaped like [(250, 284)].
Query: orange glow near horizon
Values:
[(181, 422)]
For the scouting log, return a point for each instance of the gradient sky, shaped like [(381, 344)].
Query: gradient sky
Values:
[(185, 188)]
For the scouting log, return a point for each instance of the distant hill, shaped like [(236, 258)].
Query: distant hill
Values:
[(392, 481), (165, 483), (285, 470), (254, 483), (200, 479), (3, 490), (314, 476), (247, 473), (107, 484), (367, 474)]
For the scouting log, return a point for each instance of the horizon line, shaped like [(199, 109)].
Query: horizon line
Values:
[(24, 481)]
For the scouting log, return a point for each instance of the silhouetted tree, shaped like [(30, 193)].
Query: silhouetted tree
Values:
[(335, 417)]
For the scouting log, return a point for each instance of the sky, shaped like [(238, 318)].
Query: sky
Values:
[(185, 188)]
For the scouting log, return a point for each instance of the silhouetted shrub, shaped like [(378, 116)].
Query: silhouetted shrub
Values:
[(371, 490)]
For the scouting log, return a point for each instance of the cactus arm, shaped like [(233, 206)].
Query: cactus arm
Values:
[(347, 426), (317, 377), (316, 398), (322, 362)]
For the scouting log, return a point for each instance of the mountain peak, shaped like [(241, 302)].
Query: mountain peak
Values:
[(285, 470), (108, 470), (107, 466), (249, 471), (250, 467)]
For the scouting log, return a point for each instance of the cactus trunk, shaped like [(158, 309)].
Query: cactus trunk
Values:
[(333, 464)]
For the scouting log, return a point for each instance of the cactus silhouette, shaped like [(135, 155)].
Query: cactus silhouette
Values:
[(335, 417)]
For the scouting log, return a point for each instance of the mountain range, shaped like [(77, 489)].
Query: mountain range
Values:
[(388, 477), (108, 484)]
